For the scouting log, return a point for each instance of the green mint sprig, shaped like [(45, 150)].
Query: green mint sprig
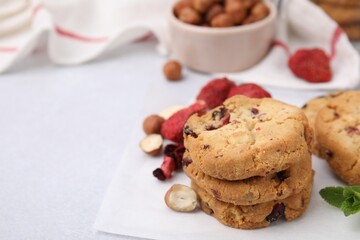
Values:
[(345, 198)]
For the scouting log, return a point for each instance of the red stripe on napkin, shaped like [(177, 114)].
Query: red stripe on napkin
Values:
[(8, 49), (145, 38), (281, 44), (72, 35), (336, 35), (35, 10)]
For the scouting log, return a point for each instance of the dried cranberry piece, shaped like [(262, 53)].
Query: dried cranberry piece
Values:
[(190, 132), (186, 162), (224, 119), (170, 149), (219, 113), (210, 128), (158, 173), (175, 152), (216, 193), (254, 111), (336, 115), (277, 212), (282, 175), (329, 154), (352, 130)]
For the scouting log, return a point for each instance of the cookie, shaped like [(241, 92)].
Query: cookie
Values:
[(247, 137), (338, 135), (254, 190), (352, 30), (339, 3), (342, 13), (254, 216), (311, 109)]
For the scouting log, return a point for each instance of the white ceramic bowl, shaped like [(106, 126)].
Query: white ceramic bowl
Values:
[(230, 49)]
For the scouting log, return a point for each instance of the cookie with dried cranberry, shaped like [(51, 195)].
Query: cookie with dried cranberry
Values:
[(311, 109), (255, 216), (253, 190), (247, 137), (338, 135)]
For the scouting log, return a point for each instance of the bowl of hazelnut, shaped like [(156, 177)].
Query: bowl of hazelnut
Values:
[(216, 36)]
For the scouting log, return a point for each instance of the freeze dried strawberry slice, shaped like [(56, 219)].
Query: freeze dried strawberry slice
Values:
[(172, 128), (312, 65), (250, 90), (215, 92), (166, 169)]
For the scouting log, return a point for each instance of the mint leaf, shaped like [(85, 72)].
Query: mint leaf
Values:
[(333, 195), (356, 191), (348, 207), (355, 188), (345, 198)]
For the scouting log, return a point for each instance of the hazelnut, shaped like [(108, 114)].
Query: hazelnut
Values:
[(203, 5), (258, 12), (249, 3), (180, 5), (152, 144), (172, 70), (181, 198), (152, 124), (190, 16), (222, 20), (237, 10), (213, 12), (168, 112)]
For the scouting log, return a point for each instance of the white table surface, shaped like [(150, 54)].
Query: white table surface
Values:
[(62, 132)]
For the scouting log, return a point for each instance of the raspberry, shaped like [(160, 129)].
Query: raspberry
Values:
[(172, 128), (312, 65), (215, 91), (250, 90)]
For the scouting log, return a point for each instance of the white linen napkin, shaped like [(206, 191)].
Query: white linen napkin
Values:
[(82, 30)]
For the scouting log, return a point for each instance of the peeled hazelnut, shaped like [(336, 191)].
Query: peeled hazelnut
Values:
[(213, 12), (181, 198), (222, 20), (172, 70), (152, 124), (236, 9), (168, 112), (258, 12), (180, 5), (190, 16), (203, 5), (250, 3), (152, 144)]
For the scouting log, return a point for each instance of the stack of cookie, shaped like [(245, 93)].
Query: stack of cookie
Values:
[(249, 161), (346, 13), (335, 119)]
